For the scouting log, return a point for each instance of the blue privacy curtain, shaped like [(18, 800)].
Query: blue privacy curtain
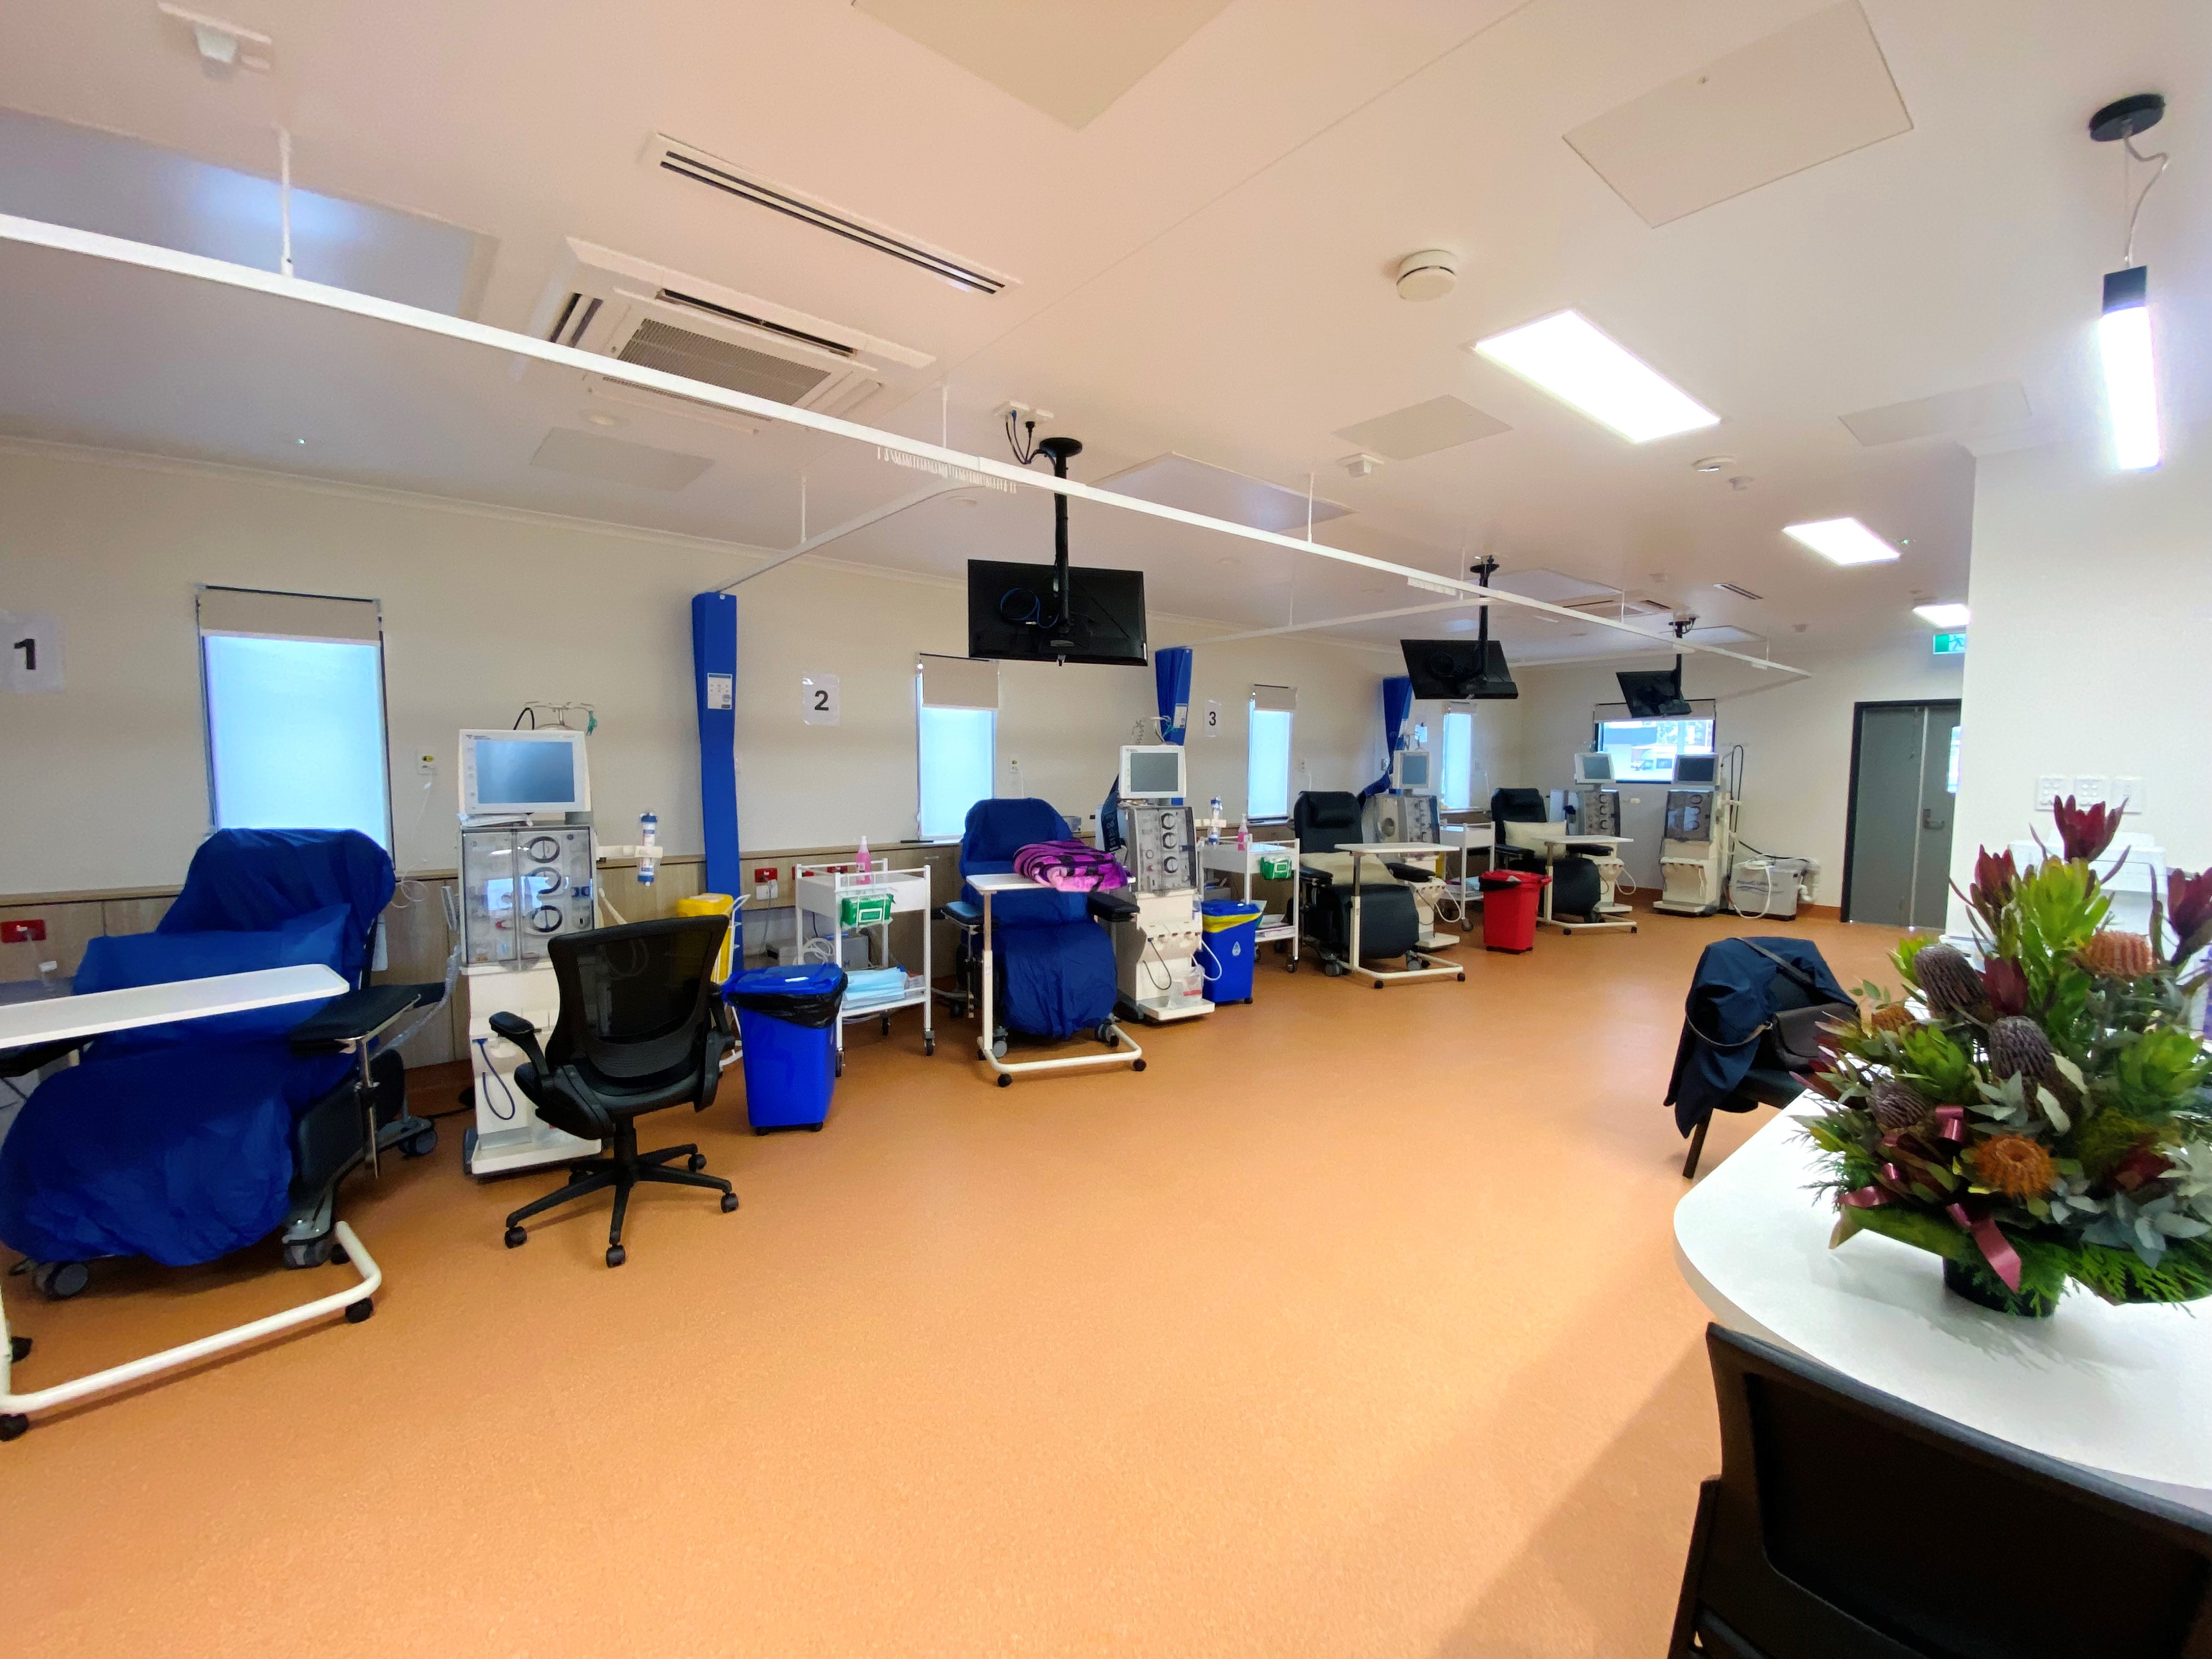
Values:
[(1397, 705), (1171, 684), (714, 678)]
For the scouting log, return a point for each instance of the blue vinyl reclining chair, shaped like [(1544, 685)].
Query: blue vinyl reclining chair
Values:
[(1055, 963), (186, 1142)]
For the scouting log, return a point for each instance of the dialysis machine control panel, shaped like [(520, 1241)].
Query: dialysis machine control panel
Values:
[(1157, 848), (521, 887), (1402, 818)]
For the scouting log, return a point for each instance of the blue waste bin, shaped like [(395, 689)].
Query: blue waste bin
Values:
[(1232, 928), (787, 1024)]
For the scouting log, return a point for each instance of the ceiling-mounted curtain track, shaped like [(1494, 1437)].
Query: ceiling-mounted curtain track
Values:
[(118, 250)]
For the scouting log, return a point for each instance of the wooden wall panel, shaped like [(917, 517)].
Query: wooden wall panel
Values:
[(69, 928)]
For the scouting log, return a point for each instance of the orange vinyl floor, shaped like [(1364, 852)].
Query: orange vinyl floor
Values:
[(1352, 1326)]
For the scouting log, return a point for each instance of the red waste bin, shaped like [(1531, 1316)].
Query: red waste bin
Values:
[(1509, 898)]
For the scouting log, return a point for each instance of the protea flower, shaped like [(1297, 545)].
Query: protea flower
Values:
[(2019, 1048), (2189, 911), (1897, 1105), (1947, 979), (2086, 831), (2014, 1165), (1995, 876), (2006, 981)]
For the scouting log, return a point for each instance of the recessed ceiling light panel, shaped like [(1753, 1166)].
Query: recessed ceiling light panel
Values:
[(1842, 541), (1941, 615), (1569, 357)]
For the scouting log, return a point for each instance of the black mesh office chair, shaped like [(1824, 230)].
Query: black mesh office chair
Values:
[(1848, 1524), (639, 1028)]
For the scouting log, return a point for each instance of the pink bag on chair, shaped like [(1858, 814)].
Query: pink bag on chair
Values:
[(1070, 866)]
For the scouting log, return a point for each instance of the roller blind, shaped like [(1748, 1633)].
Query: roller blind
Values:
[(1275, 699), (959, 683), (251, 613)]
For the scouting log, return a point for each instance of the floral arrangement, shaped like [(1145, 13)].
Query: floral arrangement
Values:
[(2045, 1118)]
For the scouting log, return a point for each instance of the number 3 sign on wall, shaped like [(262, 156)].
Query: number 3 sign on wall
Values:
[(819, 695)]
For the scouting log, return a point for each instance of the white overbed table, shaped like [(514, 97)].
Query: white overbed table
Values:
[(66, 1019), (2119, 1390), (1124, 1052)]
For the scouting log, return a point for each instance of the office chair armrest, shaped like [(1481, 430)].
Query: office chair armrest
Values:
[(524, 1035), (1316, 878), (1113, 905), (359, 1016), (961, 914), (1413, 872)]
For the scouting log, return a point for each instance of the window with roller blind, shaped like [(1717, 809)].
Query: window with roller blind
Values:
[(292, 686), (1267, 753), (1457, 781), (956, 736)]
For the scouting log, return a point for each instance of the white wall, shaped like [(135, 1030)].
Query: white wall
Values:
[(1796, 735), (2092, 596), (104, 785)]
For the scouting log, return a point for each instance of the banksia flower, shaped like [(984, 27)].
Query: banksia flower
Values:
[(2006, 981), (2014, 1165), (2019, 1048), (1947, 980), (2117, 955), (2085, 831), (1890, 1016), (1898, 1106)]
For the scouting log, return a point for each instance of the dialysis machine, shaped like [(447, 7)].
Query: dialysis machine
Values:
[(1594, 809), (1156, 950), (528, 876), (1699, 843), (1408, 813)]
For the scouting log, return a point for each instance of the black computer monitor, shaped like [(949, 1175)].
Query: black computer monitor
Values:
[(1458, 671), (1654, 693), (1010, 604)]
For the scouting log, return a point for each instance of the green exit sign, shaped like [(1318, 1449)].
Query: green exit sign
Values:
[(1950, 645)]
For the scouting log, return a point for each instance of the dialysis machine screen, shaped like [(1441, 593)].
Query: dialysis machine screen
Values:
[(515, 773), (1153, 772), (1697, 768), (1595, 766), (1409, 770)]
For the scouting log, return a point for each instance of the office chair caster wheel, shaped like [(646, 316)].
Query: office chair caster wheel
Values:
[(729, 1202), (19, 1349), (616, 1256), (1333, 970), (14, 1426), (1004, 1082), (420, 1143), (1106, 1034), (58, 1281), (357, 1313), (309, 1252), (1136, 1065), (516, 1238), (998, 1047), (695, 1162)]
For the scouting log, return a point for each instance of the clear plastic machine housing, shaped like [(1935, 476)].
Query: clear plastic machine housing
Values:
[(521, 887)]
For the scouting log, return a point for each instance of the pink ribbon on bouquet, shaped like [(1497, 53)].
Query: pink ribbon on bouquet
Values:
[(1951, 1123), (2003, 1259)]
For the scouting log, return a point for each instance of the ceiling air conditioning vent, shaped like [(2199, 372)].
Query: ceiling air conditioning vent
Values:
[(1740, 592), (685, 161), (607, 302)]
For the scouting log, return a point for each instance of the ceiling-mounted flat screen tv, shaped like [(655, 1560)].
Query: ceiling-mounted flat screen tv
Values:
[(1458, 671), (1013, 614), (1654, 693)]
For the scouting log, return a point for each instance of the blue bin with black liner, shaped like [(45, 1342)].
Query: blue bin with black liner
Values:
[(787, 1024)]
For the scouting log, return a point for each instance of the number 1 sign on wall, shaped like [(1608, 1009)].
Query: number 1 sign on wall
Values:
[(819, 695), (33, 643)]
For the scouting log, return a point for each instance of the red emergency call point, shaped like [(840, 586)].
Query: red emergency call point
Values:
[(33, 931)]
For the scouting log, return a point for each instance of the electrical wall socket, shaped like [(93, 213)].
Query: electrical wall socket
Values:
[(2049, 789)]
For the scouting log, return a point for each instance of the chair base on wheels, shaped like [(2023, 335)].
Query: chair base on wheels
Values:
[(622, 1171)]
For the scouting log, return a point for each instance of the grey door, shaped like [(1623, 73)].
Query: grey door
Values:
[(1904, 782)]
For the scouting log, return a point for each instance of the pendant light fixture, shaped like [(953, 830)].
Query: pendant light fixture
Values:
[(2124, 334)]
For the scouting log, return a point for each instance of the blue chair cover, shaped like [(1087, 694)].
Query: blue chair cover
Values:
[(1057, 963), (182, 1151)]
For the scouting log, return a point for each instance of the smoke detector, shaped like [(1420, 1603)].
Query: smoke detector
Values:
[(1428, 275), (1360, 466), (1712, 464)]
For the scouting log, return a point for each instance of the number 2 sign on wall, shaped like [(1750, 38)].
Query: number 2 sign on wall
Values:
[(819, 696), (32, 641)]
